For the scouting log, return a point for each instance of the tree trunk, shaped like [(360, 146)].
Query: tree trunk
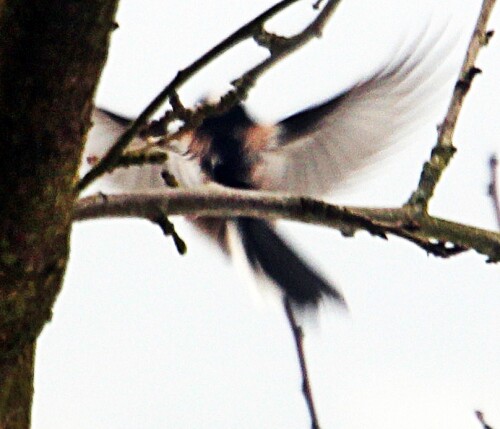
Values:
[(51, 56)]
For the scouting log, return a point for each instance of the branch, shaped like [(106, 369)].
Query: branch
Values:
[(493, 187), (298, 336), (444, 150), (437, 236), (278, 47)]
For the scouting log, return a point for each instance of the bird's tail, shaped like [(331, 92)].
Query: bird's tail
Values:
[(269, 254)]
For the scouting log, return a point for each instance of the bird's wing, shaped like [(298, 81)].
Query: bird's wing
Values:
[(107, 127), (321, 147)]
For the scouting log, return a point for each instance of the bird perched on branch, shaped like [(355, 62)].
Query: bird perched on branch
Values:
[(308, 153)]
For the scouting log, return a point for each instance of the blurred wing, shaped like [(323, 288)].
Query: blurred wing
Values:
[(105, 131), (322, 146)]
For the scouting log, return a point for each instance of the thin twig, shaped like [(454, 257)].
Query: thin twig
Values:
[(480, 417), (493, 190), (168, 229), (253, 29), (443, 151), (317, 4), (434, 235), (142, 156), (298, 336)]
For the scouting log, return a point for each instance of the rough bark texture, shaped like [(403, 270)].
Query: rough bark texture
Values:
[(51, 56)]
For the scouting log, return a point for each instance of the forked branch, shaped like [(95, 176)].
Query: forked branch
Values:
[(279, 48)]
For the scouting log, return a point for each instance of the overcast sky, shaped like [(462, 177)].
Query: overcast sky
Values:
[(144, 338)]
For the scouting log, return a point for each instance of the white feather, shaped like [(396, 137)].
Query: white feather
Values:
[(105, 132), (363, 121)]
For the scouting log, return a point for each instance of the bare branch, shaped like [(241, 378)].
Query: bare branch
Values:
[(298, 336), (437, 236), (493, 187), (443, 151), (253, 29)]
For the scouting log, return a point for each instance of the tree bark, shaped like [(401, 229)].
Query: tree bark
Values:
[(51, 56)]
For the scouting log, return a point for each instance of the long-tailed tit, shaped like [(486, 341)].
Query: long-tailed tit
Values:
[(308, 153)]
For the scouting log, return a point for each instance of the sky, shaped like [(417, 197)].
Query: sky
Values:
[(142, 337)]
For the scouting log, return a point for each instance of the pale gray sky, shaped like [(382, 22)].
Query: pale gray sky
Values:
[(140, 339)]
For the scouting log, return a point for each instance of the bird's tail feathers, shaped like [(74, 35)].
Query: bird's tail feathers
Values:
[(269, 255)]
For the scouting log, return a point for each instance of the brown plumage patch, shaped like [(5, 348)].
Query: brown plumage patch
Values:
[(260, 137)]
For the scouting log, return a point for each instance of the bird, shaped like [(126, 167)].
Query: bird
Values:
[(308, 153)]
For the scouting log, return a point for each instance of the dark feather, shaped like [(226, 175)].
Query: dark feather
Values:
[(302, 123), (267, 251), (225, 161), (120, 120)]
